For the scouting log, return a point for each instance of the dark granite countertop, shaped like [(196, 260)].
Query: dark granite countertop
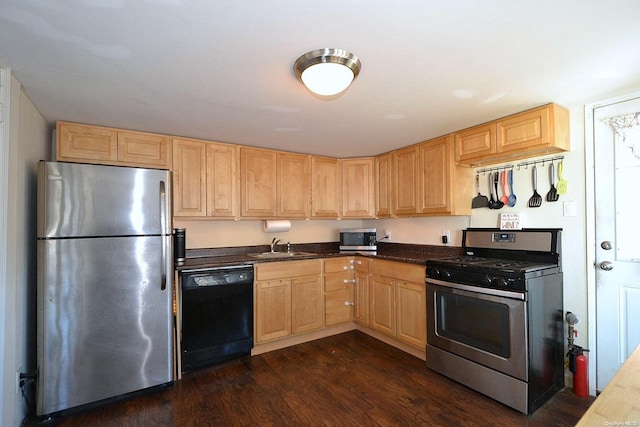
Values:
[(220, 257)]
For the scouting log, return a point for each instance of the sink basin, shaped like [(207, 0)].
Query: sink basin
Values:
[(280, 254)]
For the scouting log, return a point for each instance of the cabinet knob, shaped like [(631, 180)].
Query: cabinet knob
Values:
[(351, 303)]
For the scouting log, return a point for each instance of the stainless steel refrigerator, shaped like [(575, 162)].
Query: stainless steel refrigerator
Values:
[(105, 268)]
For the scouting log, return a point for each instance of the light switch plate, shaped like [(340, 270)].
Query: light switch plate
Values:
[(569, 208)]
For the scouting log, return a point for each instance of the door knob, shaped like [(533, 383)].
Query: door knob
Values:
[(606, 245), (606, 266)]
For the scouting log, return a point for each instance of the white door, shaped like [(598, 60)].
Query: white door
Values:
[(616, 130)]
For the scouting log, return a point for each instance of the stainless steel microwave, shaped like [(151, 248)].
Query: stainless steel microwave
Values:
[(358, 239)]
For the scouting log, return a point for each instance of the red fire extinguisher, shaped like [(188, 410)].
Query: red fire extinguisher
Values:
[(579, 365)]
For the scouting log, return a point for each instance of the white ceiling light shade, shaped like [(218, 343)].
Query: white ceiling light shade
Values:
[(327, 72)]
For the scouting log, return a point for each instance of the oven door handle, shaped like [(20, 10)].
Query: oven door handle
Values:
[(477, 289)]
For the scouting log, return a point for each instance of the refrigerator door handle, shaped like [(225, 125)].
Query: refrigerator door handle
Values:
[(163, 225)]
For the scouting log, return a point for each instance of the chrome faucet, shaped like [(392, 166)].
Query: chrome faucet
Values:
[(274, 242)]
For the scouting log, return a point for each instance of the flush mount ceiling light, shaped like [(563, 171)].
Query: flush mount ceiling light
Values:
[(327, 72)]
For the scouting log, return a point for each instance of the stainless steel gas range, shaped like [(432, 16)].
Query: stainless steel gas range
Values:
[(494, 315)]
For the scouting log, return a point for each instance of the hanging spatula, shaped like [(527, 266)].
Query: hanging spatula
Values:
[(535, 201), (552, 195), (479, 201), (562, 183)]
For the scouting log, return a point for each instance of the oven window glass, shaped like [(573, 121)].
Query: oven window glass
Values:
[(478, 323)]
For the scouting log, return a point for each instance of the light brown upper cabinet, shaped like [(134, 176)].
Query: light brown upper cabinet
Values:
[(274, 184), (406, 163), (445, 188), (222, 180), (325, 187), (96, 144), (205, 179), (383, 185), (258, 186), (534, 132), (358, 192), (294, 185)]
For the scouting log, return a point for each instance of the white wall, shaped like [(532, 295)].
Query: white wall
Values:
[(29, 142)]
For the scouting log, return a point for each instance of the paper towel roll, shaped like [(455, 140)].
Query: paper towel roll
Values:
[(277, 226)]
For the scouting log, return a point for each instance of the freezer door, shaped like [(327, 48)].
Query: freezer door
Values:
[(76, 200), (105, 323)]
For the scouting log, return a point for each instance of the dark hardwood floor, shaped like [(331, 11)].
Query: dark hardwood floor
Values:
[(345, 380)]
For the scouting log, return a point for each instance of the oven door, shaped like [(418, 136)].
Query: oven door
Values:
[(485, 326)]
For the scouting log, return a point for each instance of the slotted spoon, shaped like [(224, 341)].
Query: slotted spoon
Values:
[(535, 201)]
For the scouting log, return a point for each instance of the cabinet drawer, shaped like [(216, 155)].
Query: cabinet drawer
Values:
[(362, 264), (335, 265), (275, 270), (337, 281), (398, 270), (338, 307)]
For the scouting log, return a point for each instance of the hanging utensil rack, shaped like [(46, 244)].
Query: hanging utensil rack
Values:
[(539, 161), (494, 169)]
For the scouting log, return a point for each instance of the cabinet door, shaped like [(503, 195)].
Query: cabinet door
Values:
[(358, 191), (144, 149), (222, 180), (76, 142), (325, 187), (475, 142), (406, 182), (258, 183), (361, 298), (382, 300), (189, 178), (525, 131), (272, 310), (434, 173), (306, 304), (411, 325), (384, 185), (294, 185)]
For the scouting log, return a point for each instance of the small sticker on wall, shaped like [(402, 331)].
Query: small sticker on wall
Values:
[(510, 221)]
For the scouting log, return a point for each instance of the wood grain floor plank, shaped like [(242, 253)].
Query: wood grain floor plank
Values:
[(349, 379)]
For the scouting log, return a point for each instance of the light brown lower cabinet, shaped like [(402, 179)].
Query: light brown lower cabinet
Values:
[(272, 309), (382, 303), (338, 290), (398, 303), (306, 304), (294, 297), (288, 298), (361, 297)]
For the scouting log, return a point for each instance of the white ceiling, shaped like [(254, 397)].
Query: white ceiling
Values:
[(222, 70)]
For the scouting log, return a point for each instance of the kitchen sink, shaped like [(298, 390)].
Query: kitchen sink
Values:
[(280, 254)]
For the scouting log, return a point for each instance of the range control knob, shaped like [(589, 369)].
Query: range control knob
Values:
[(487, 279), (435, 272), (501, 281), (446, 274)]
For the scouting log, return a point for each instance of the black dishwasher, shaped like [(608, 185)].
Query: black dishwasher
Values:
[(217, 315)]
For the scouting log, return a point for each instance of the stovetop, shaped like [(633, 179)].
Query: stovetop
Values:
[(489, 265), (500, 260)]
